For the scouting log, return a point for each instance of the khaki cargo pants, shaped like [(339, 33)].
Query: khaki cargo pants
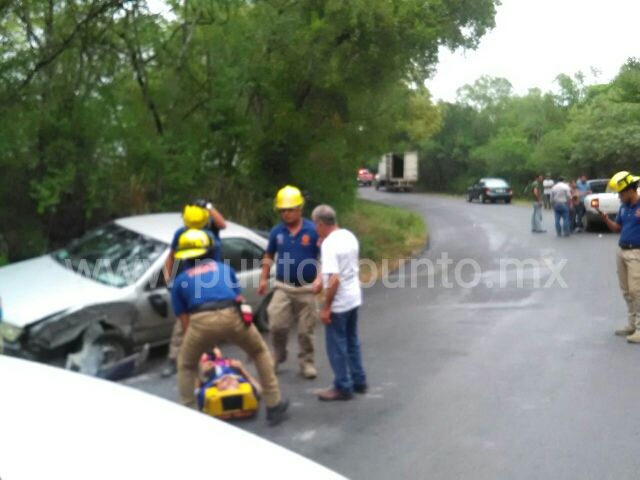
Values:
[(177, 337), (287, 305), (628, 262), (205, 330)]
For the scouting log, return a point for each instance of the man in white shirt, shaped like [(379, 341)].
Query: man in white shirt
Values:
[(561, 200), (546, 185), (341, 277)]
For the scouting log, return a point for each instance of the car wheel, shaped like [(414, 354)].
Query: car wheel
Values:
[(469, 199), (492, 200), (261, 317), (115, 347), (508, 200), (483, 199)]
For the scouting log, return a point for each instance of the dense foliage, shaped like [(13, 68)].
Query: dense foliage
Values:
[(580, 128), (109, 108)]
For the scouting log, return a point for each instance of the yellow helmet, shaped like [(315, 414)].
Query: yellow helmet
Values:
[(194, 243), (195, 217), (289, 197), (622, 180)]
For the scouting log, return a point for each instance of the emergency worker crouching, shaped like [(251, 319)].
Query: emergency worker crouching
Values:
[(205, 297), (627, 223), (200, 213)]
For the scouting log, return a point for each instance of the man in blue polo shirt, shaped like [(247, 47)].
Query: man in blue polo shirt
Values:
[(583, 190), (628, 255), (205, 298), (295, 241)]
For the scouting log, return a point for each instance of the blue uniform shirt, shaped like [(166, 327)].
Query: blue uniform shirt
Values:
[(213, 233), (582, 187), (293, 250), (629, 219), (210, 281)]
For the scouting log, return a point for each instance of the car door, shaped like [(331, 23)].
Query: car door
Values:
[(245, 258), (155, 315), (478, 188)]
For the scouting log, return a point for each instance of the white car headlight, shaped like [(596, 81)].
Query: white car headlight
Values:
[(9, 332)]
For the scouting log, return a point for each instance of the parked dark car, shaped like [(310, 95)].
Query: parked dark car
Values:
[(491, 189)]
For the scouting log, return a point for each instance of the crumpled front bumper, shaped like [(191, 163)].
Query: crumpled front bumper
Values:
[(14, 349)]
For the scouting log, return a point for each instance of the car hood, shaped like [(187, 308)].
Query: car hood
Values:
[(143, 436), (36, 288)]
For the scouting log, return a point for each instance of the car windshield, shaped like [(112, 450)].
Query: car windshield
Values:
[(112, 255), (496, 183)]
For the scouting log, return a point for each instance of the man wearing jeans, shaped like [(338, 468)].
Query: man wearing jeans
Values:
[(583, 190), (536, 216), (343, 296), (561, 199)]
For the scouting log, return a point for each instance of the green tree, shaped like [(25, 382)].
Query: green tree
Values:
[(109, 109)]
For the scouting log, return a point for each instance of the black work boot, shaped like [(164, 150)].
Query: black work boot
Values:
[(170, 369), (277, 414)]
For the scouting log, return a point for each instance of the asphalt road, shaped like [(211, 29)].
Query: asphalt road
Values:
[(497, 381)]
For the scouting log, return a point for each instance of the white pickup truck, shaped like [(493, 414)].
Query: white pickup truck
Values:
[(602, 198)]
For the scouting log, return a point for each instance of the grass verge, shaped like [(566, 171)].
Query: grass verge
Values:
[(385, 233)]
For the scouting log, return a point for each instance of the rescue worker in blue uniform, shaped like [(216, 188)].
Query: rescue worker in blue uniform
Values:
[(628, 254), (200, 213), (205, 297), (295, 242)]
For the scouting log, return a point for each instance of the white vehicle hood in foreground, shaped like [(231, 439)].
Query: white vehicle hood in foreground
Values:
[(36, 288), (60, 425)]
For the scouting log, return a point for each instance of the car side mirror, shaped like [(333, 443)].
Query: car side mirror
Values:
[(159, 305)]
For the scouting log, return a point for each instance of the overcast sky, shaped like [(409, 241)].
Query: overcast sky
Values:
[(535, 40)]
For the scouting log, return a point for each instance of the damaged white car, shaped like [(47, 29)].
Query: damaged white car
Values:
[(107, 289)]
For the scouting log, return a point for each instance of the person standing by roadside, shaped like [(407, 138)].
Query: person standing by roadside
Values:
[(627, 224), (547, 184), (583, 190), (574, 206), (561, 200), (343, 296), (295, 241), (536, 215)]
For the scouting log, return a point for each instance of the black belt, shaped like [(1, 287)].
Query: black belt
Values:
[(213, 306), (628, 246), (294, 283)]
